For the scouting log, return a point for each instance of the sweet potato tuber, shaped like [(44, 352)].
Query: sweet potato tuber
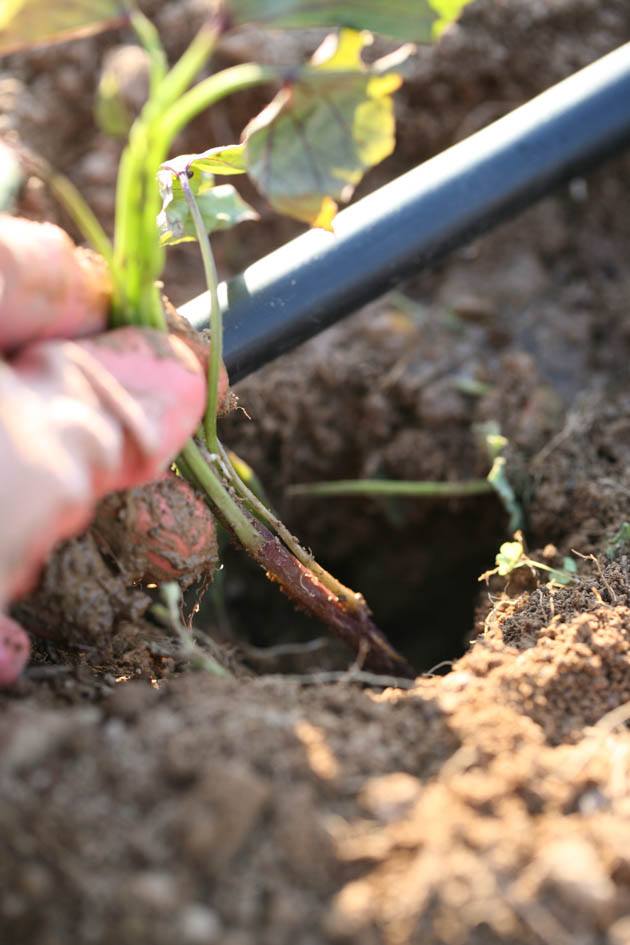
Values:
[(160, 532)]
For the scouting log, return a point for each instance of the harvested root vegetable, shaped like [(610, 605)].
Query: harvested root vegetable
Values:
[(160, 532), (79, 599)]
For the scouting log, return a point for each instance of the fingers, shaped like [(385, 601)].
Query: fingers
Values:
[(153, 385), (14, 650), (48, 287), (81, 419)]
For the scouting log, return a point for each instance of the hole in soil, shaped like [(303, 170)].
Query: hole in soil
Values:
[(423, 592)]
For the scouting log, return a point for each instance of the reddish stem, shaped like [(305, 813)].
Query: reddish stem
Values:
[(351, 623)]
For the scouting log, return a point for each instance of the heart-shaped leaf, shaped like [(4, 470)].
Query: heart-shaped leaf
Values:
[(26, 23), (313, 143), (221, 207), (411, 20)]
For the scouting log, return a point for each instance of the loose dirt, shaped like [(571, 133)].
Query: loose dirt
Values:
[(141, 801)]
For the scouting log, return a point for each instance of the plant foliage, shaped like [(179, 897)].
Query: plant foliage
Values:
[(221, 206), (29, 22), (416, 20), (312, 145)]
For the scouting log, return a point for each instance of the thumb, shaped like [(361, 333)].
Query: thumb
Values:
[(79, 420)]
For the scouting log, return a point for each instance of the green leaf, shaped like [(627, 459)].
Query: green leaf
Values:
[(221, 207), (448, 11), (228, 160), (26, 23), (313, 143), (412, 20)]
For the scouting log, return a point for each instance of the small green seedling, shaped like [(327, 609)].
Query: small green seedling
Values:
[(167, 611), (512, 556), (330, 121)]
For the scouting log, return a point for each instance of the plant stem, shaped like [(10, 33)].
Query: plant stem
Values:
[(545, 567), (213, 89), (349, 618), (168, 613), (82, 214), (227, 507), (150, 40), (185, 70), (216, 317), (138, 256), (349, 597), (386, 487)]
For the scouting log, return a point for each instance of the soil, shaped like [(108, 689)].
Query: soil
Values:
[(286, 799)]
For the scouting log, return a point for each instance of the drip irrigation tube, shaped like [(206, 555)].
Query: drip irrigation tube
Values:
[(414, 221)]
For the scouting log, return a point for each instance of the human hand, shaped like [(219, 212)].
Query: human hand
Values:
[(78, 418)]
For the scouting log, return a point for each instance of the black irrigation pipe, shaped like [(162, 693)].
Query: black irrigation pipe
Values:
[(414, 221)]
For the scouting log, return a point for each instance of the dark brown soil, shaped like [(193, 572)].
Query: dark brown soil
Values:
[(141, 801)]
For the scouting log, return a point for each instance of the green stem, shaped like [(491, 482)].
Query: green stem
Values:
[(394, 488), (545, 567), (216, 317), (266, 515), (213, 89), (150, 40), (232, 514), (82, 214), (138, 257), (127, 227), (186, 68)]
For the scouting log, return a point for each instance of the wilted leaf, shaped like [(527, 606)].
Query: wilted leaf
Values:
[(312, 145), (26, 23), (411, 20), (510, 556), (221, 207)]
